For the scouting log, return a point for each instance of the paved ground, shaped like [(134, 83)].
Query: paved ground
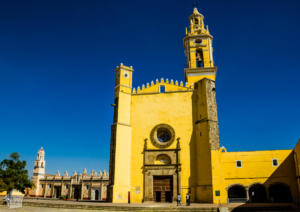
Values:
[(44, 205), (39, 209)]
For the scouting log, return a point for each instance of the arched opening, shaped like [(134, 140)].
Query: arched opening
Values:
[(163, 160), (198, 41), (199, 58), (257, 193), (96, 194), (196, 21), (237, 193), (77, 192), (57, 190), (280, 192)]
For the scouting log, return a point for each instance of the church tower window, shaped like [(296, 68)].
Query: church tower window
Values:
[(199, 58)]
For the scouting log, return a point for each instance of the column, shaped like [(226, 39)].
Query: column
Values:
[(45, 190), (247, 193)]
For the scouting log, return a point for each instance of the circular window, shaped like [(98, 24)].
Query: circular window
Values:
[(162, 135), (126, 75)]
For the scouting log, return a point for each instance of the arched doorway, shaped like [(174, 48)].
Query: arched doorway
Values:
[(237, 193), (77, 192), (257, 193), (57, 190), (280, 192), (96, 194)]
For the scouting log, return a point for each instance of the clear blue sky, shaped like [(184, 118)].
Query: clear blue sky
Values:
[(57, 61)]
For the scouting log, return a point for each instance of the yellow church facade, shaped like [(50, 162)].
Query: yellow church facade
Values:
[(165, 140)]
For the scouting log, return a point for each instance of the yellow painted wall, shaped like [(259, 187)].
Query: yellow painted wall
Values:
[(257, 167), (148, 110)]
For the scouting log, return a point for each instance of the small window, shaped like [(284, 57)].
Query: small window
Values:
[(67, 186), (239, 164), (162, 89), (42, 186), (275, 162), (49, 186), (87, 187)]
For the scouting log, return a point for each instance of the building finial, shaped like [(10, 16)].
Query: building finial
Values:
[(195, 11)]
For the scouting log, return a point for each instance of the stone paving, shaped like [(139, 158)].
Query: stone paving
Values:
[(37, 205), (41, 209)]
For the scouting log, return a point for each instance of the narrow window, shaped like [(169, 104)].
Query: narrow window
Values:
[(162, 89), (87, 187), (239, 164), (49, 186), (199, 58), (275, 162), (67, 186), (42, 186)]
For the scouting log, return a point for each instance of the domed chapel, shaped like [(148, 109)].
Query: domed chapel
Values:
[(165, 140)]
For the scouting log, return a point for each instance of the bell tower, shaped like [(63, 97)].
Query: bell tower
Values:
[(38, 171), (198, 50)]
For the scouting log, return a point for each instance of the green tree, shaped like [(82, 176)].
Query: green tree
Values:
[(13, 174)]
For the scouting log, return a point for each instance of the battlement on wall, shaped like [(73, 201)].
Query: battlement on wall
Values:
[(155, 87)]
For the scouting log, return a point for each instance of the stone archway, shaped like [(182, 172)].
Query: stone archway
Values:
[(280, 192), (257, 193), (237, 193), (97, 194)]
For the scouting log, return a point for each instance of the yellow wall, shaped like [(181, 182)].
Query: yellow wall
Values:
[(257, 167), (148, 110)]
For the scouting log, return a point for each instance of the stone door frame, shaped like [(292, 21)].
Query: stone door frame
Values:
[(150, 169)]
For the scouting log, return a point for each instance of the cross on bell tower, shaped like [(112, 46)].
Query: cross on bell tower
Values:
[(198, 50)]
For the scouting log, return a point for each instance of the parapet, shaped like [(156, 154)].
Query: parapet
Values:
[(169, 86)]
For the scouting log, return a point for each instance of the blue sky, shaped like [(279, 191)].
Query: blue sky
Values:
[(57, 61)]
